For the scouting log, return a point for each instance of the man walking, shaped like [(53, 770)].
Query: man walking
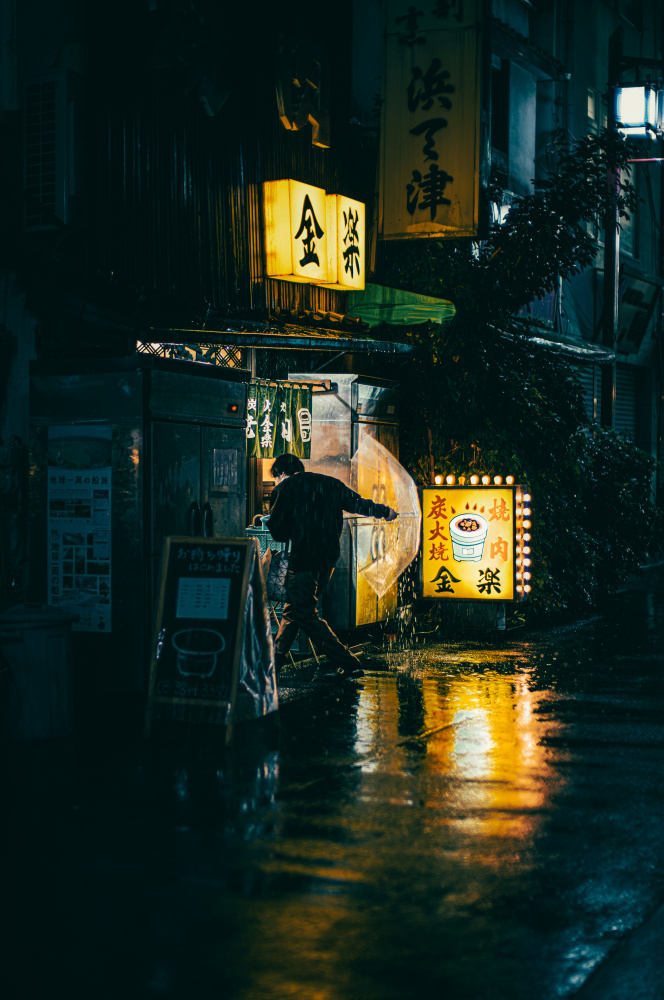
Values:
[(306, 509)]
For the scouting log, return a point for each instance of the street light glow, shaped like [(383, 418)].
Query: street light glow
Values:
[(636, 111), (631, 105)]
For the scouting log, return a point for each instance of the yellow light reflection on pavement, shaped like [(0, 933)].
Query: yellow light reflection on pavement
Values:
[(486, 744)]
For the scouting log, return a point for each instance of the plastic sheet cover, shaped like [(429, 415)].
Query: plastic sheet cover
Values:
[(257, 679), (391, 485)]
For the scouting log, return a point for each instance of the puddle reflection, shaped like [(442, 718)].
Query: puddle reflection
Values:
[(474, 748)]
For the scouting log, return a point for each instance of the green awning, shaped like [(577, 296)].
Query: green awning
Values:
[(379, 304)]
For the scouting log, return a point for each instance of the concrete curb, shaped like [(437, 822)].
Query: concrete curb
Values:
[(635, 969)]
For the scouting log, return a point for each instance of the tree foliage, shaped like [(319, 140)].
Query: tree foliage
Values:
[(482, 396)]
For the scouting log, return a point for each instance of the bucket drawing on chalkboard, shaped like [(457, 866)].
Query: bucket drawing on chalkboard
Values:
[(198, 649)]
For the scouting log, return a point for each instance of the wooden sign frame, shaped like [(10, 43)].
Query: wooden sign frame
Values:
[(197, 609)]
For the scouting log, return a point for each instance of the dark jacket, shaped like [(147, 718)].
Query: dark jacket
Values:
[(307, 510)]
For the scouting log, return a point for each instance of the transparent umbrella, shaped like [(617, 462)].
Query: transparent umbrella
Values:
[(379, 475)]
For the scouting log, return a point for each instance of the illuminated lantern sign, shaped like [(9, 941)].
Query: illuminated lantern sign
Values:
[(313, 236), (476, 543), (347, 260)]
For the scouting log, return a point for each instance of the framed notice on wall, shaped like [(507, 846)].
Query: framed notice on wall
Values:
[(212, 652)]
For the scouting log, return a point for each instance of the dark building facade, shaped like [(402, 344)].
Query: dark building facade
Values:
[(139, 136)]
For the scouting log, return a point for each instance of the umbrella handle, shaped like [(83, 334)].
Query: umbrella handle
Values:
[(378, 543), (381, 543)]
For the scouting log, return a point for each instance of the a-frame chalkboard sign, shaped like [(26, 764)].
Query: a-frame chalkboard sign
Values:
[(212, 635)]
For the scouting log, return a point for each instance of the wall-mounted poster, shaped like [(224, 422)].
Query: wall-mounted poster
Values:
[(79, 523)]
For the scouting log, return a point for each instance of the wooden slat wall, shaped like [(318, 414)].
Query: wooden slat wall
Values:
[(179, 209)]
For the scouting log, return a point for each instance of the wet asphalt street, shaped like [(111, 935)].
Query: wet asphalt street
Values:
[(464, 822)]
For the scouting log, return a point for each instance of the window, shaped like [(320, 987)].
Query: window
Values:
[(500, 107), (592, 105), (628, 229)]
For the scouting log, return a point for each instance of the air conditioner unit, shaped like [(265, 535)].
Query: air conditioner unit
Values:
[(48, 150)]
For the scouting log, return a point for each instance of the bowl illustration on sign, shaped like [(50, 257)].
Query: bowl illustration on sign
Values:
[(468, 532), (198, 649)]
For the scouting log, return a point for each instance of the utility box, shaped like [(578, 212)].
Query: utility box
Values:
[(123, 453), (358, 406), (35, 651)]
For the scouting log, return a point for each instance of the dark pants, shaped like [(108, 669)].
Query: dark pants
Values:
[(303, 589)]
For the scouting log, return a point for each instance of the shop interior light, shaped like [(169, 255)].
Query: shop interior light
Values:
[(474, 480), (450, 480), (437, 480), (509, 480)]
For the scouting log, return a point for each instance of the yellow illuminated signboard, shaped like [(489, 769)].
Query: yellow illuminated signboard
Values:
[(472, 543), (313, 236)]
